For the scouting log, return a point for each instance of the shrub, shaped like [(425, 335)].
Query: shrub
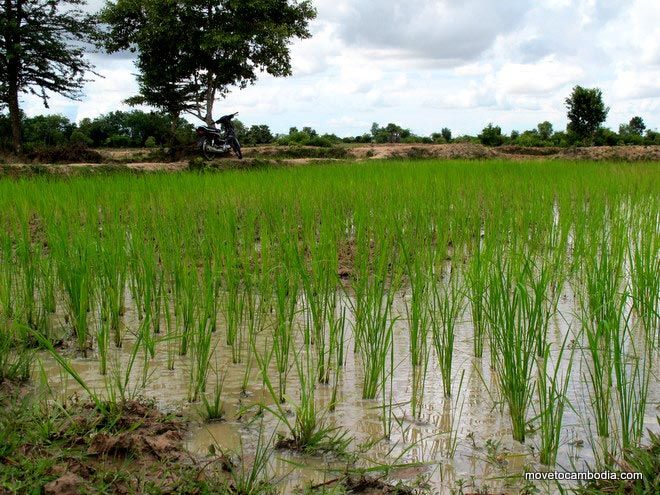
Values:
[(150, 142), (80, 138), (606, 137), (652, 137), (118, 141), (198, 164), (322, 142), (70, 153)]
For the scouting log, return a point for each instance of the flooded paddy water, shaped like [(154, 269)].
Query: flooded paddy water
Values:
[(419, 451), (448, 325)]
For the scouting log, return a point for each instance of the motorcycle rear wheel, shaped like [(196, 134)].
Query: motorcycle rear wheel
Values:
[(208, 154)]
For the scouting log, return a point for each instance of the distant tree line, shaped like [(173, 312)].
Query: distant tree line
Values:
[(115, 129), (586, 114), (134, 129), (137, 129)]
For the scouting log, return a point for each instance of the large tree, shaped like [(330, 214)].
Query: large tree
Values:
[(42, 51), (586, 112), (190, 52)]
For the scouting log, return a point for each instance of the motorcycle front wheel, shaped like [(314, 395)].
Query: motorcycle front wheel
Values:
[(208, 154), (235, 145)]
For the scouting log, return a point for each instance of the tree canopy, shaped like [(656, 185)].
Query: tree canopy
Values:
[(42, 52), (586, 112), (192, 51)]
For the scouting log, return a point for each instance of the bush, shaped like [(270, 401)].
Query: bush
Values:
[(198, 164), (652, 137), (118, 141), (606, 137), (150, 142), (79, 138), (70, 153), (491, 135), (320, 141)]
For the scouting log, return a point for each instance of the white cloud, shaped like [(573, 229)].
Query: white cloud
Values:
[(426, 64), (540, 78)]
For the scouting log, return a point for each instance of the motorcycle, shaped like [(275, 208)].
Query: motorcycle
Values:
[(213, 141)]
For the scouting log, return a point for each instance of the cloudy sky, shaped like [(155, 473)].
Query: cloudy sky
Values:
[(428, 64)]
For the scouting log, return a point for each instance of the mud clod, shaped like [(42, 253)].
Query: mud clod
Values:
[(67, 484)]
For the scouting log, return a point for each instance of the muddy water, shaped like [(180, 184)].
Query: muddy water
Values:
[(486, 455)]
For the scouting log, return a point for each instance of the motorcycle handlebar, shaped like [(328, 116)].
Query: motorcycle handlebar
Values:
[(232, 115)]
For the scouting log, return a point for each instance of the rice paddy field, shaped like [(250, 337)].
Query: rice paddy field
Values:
[(448, 324)]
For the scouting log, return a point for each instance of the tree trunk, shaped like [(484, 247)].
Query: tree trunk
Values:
[(12, 37), (15, 117), (173, 125), (210, 100), (210, 89)]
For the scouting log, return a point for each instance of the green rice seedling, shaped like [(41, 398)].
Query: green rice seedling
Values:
[(453, 416), (515, 343), (75, 272), (158, 288), (552, 387), (251, 477), (66, 366), (148, 344), (539, 280), (373, 319), (477, 277), (632, 376), (376, 331), (214, 409), (118, 381), (171, 335), (319, 286), (416, 266), (211, 289), (337, 325), (186, 295), (448, 305), (286, 297), (255, 312), (233, 303), (137, 278), (15, 357), (202, 350), (47, 284), (602, 308), (27, 257), (336, 328), (387, 397), (418, 316), (112, 281), (644, 265), (308, 432), (103, 323), (7, 276)]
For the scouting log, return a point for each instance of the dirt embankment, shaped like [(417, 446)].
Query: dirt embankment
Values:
[(478, 151), (143, 160), (400, 150)]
